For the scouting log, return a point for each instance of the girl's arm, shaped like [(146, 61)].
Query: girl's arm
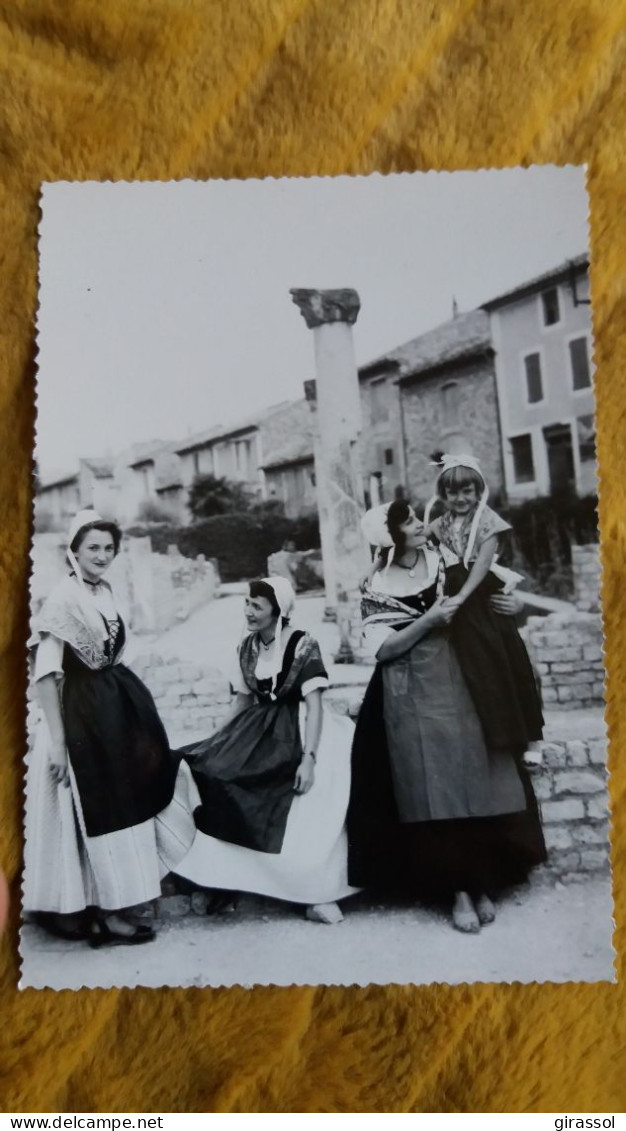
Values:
[(478, 572), (305, 774), (397, 643), (47, 689)]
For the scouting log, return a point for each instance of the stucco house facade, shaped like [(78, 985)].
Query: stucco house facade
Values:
[(544, 372)]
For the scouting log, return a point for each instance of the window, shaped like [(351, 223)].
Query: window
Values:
[(379, 401), (195, 456), (579, 361), (523, 465), (388, 457), (534, 383), (586, 428), (550, 307), (450, 399)]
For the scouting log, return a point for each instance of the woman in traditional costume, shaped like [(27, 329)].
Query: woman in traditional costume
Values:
[(274, 786), (109, 809), (433, 811)]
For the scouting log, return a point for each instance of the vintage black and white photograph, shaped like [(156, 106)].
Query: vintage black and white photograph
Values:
[(316, 687)]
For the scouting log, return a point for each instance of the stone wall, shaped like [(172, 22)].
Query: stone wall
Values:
[(192, 700), (570, 783), (566, 649), (587, 571)]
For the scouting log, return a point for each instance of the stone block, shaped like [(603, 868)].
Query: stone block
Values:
[(597, 749), (567, 861), (533, 759), (592, 652), (558, 837), (542, 786), (574, 692), (576, 754), (548, 694), (597, 808), (573, 878), (568, 809), (554, 655), (199, 902), (591, 835), (173, 906), (554, 754), (593, 858), (578, 781)]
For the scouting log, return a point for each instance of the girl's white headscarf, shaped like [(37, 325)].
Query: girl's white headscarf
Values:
[(375, 526), (285, 599), (446, 463)]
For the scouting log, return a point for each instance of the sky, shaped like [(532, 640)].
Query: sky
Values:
[(165, 307)]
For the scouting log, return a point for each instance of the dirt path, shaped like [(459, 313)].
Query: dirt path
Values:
[(541, 934)]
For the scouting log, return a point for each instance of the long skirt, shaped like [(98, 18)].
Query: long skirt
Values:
[(311, 866), (432, 811), (65, 870)]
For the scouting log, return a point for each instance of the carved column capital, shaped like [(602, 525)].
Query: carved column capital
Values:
[(320, 307)]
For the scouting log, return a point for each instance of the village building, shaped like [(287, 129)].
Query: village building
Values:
[(510, 383), (436, 392), (541, 335)]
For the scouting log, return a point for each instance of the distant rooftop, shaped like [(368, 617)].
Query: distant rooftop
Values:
[(559, 274), (461, 337), (224, 432), (100, 468), (298, 449)]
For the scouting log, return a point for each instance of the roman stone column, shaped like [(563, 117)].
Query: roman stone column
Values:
[(331, 315)]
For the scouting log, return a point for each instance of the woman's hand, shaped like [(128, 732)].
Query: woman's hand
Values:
[(305, 774), (58, 764), (441, 613), (507, 604)]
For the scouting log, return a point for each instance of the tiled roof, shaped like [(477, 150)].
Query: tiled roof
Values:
[(222, 432), (460, 337), (297, 449), (100, 468), (556, 275)]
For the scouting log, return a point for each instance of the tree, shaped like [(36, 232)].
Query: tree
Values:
[(210, 495)]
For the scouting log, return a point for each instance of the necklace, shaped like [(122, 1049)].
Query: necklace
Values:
[(93, 584), (411, 569), (268, 643)]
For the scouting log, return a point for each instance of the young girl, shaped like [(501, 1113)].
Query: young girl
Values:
[(492, 654)]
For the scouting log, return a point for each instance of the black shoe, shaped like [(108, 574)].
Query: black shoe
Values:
[(102, 935), (52, 922)]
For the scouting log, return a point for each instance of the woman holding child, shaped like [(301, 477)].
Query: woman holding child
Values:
[(437, 808)]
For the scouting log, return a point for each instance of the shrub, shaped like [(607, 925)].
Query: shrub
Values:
[(544, 531), (241, 543), (152, 511)]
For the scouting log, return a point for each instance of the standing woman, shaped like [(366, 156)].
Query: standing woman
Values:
[(274, 787), (433, 811), (108, 811)]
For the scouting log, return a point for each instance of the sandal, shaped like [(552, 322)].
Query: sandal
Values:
[(102, 935), (485, 909), (465, 919)]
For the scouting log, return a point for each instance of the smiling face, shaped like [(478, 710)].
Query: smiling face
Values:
[(461, 500), (94, 554), (259, 614), (413, 531)]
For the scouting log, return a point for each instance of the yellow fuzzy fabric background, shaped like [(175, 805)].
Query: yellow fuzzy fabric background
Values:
[(160, 89)]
